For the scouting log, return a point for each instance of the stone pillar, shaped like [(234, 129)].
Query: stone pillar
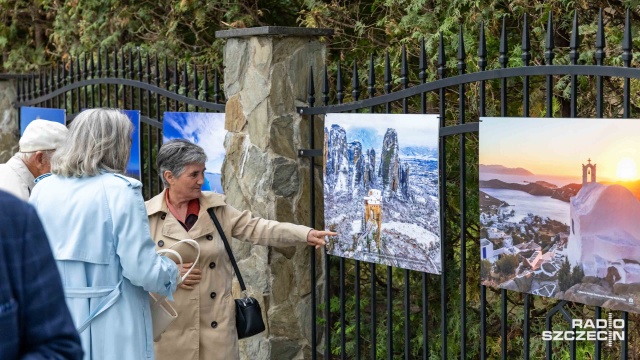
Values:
[(9, 129), (266, 76)]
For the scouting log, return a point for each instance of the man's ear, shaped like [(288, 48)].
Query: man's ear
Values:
[(39, 158)]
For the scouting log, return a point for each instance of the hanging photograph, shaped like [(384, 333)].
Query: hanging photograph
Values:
[(206, 130), (133, 167), (559, 208), (28, 114), (381, 189)]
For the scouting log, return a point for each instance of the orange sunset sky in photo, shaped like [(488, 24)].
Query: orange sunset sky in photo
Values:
[(558, 147)]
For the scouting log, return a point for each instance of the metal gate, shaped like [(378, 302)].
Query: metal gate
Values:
[(452, 315)]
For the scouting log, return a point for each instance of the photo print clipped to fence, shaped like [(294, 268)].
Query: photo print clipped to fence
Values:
[(559, 208), (381, 189), (28, 114), (133, 166), (206, 130)]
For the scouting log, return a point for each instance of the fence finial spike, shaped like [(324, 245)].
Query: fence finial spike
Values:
[(600, 41), (526, 42), (503, 37), (504, 46), (311, 99), (441, 60), (461, 52), (575, 32), (355, 79), (372, 77), (387, 68), (423, 57), (339, 85), (404, 69), (312, 90), (549, 41), (325, 86), (482, 47), (627, 41), (575, 40)]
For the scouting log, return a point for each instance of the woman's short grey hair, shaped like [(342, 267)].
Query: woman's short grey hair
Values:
[(175, 155), (98, 140)]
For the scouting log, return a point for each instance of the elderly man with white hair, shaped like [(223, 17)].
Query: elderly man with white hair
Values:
[(40, 140)]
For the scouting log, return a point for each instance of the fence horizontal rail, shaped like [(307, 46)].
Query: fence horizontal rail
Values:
[(543, 70), (128, 82)]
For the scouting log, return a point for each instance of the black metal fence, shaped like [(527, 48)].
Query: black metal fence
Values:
[(128, 80), (374, 311)]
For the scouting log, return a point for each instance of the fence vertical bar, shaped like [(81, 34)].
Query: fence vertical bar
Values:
[(83, 76), (503, 60), (93, 75), (216, 87), (71, 80), (327, 267), (311, 99), (99, 74), (107, 74), (140, 93), (132, 96), (404, 80), (526, 58), (462, 66), (185, 80), (387, 90), (196, 92), (372, 266), (549, 55), (176, 86), (442, 64), (64, 82), (158, 116), (167, 105), (574, 56), (482, 64), (600, 54), (123, 66), (355, 93), (627, 57), (425, 299), (343, 331)]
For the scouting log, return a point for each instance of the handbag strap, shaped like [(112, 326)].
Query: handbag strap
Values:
[(227, 247)]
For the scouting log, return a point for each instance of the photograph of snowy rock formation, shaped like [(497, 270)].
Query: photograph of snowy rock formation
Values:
[(381, 189), (560, 208)]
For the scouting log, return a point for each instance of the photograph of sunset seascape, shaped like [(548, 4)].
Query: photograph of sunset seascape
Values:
[(560, 208)]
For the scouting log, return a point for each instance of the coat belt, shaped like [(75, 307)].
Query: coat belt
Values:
[(109, 295)]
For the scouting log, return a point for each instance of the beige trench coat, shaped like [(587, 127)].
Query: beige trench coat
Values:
[(205, 327)]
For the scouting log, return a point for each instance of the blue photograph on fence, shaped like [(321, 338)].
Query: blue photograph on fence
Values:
[(133, 167), (28, 114), (206, 130), (381, 189)]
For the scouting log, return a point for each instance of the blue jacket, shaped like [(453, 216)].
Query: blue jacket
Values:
[(34, 320), (99, 234)]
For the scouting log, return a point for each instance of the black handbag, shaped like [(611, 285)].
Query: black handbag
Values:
[(248, 313)]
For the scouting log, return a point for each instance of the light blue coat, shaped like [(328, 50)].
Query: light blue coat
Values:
[(99, 234)]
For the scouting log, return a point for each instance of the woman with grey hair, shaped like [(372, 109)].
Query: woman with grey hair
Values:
[(98, 230), (205, 327)]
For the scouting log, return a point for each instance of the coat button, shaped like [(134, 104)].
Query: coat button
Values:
[(214, 324), (209, 237), (212, 265), (163, 216), (161, 243), (213, 295)]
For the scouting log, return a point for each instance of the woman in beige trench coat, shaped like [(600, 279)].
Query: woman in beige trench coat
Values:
[(205, 327)]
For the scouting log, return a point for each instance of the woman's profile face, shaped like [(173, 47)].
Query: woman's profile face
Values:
[(189, 184)]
